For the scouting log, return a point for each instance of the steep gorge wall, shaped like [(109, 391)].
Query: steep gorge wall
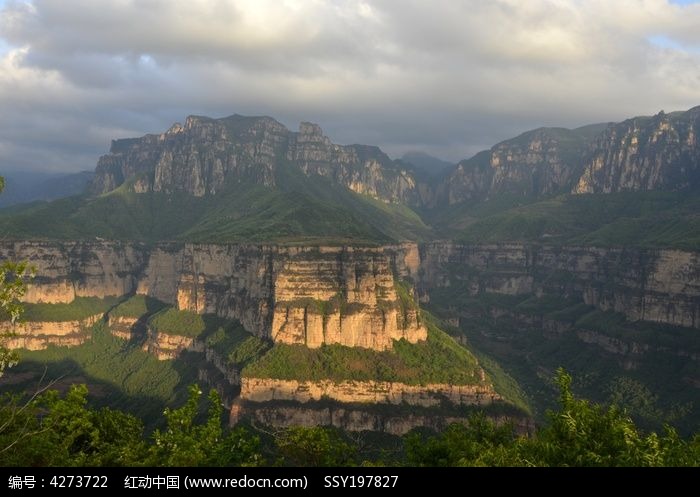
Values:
[(371, 392), (38, 335), (661, 286), (305, 295)]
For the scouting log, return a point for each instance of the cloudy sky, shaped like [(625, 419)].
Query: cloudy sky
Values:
[(448, 77)]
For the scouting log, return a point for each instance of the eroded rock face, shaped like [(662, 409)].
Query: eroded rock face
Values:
[(539, 162), (199, 157), (341, 295), (645, 153), (353, 418), (372, 392), (310, 296), (38, 335), (649, 153), (661, 286)]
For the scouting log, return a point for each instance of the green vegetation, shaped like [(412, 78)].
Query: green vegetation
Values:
[(55, 430), (578, 433), (644, 367), (79, 308), (303, 210), (175, 322), (437, 360), (13, 285), (121, 374), (631, 219), (51, 430), (231, 341), (137, 306)]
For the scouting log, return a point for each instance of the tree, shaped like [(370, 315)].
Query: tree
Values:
[(13, 285), (51, 430), (314, 446), (582, 433), (186, 442)]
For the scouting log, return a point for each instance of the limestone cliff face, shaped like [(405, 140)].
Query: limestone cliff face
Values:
[(661, 286), (166, 345), (341, 295), (310, 295), (204, 154), (645, 153), (201, 156), (347, 295), (539, 162), (126, 328), (353, 418), (38, 335), (649, 153), (66, 270), (373, 392)]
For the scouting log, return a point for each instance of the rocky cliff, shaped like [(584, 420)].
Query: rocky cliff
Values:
[(356, 418), (539, 162), (371, 392), (645, 153), (38, 335), (202, 155), (311, 296), (661, 286)]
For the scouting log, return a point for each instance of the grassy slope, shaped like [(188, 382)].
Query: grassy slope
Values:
[(642, 219), (174, 322), (80, 308), (437, 360), (653, 381), (137, 306), (305, 210), (120, 373)]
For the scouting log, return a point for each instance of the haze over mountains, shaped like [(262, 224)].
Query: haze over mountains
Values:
[(23, 187)]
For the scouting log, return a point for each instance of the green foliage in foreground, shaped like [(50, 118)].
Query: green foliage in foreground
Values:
[(579, 433), (50, 430), (79, 308), (127, 376), (13, 285), (437, 360)]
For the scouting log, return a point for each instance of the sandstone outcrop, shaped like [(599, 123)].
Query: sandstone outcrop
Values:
[(38, 335), (305, 295), (372, 392)]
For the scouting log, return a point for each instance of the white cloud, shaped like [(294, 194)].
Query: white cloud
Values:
[(450, 77)]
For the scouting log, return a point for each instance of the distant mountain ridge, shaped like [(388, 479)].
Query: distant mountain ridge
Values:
[(203, 155), (23, 187)]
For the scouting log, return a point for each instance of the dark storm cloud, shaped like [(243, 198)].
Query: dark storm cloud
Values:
[(443, 76)]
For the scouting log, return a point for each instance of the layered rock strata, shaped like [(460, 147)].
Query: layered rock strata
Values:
[(309, 296)]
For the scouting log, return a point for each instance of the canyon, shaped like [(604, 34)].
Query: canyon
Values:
[(323, 247)]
